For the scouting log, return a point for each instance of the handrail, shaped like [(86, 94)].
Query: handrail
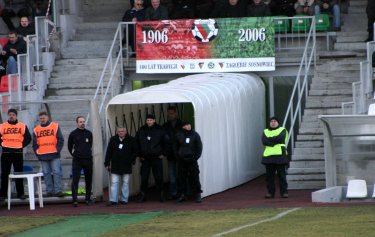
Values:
[(301, 90)]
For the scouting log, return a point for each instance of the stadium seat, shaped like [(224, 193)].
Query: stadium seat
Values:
[(322, 22), (300, 24), (4, 87), (281, 25), (3, 41), (357, 188), (371, 109)]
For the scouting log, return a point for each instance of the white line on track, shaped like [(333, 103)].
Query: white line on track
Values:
[(278, 216)]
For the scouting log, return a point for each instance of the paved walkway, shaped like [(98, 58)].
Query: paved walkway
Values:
[(249, 195)]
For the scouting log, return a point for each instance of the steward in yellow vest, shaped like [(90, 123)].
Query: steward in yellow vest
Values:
[(275, 157), (14, 136)]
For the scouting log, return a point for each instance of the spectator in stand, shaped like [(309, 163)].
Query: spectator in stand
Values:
[(10, 51), (136, 13), (14, 8), (183, 9), (172, 127), (119, 160), (282, 7), (204, 8), (330, 6), (233, 8), (156, 11), (258, 9), (25, 28), (306, 7), (370, 9)]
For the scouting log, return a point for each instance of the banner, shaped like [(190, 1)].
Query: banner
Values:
[(211, 45)]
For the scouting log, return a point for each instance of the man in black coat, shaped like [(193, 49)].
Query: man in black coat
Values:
[(152, 141), (370, 10), (172, 126), (80, 147), (119, 159), (188, 149)]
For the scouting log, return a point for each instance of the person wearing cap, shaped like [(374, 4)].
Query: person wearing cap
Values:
[(152, 143), (14, 136), (275, 157), (188, 150)]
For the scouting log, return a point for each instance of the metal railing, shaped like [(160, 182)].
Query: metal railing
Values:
[(300, 90)]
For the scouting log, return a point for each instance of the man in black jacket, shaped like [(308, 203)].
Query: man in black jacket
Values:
[(16, 45), (188, 150), (80, 147), (119, 159), (152, 143), (14, 137), (172, 126)]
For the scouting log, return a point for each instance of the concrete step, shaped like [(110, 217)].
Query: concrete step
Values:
[(357, 10), (100, 18), (330, 85), (330, 92), (303, 151), (307, 184), (306, 164), (69, 97), (350, 46), (300, 157), (77, 62), (325, 111), (310, 124), (307, 171), (65, 86), (301, 137), (304, 130), (358, 3), (91, 36), (332, 79), (335, 74), (310, 177), (308, 144), (68, 92)]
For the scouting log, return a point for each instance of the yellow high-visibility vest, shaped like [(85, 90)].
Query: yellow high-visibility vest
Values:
[(278, 148)]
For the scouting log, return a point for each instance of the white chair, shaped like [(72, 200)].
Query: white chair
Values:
[(373, 193), (371, 109), (357, 188), (30, 183)]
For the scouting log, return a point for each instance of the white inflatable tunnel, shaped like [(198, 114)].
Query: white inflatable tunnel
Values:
[(228, 111)]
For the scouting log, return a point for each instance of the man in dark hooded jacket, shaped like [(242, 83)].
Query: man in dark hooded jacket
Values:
[(275, 157)]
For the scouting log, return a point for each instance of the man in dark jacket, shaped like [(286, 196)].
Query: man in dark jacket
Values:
[(16, 45), (172, 126), (119, 159), (156, 11), (80, 147), (14, 137), (370, 10), (275, 157), (188, 151), (152, 143)]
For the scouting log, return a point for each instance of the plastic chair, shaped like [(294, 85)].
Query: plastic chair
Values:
[(371, 109), (357, 188), (281, 25), (300, 24), (322, 22), (4, 87)]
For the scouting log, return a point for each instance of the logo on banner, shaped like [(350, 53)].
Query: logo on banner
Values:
[(200, 65), (205, 30), (211, 65)]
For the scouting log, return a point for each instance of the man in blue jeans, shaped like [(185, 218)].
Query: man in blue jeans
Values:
[(15, 46), (330, 6), (48, 142)]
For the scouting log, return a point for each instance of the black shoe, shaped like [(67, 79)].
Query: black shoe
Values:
[(123, 202), (89, 202), (111, 204), (161, 197), (181, 198), (199, 198), (269, 196), (75, 204), (142, 197), (284, 195), (22, 197), (59, 194)]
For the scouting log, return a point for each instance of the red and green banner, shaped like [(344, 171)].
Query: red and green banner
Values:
[(205, 45)]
